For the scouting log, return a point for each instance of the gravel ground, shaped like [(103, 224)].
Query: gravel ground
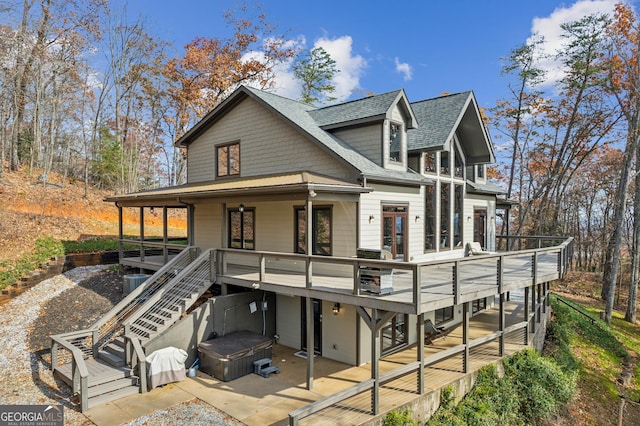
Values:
[(61, 304)]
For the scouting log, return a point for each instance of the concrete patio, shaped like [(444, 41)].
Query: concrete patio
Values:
[(255, 400)]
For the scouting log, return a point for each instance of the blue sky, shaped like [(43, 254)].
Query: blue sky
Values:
[(425, 47)]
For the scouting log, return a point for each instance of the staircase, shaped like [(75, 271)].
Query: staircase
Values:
[(107, 362)]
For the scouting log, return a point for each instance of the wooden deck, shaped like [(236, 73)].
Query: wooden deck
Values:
[(476, 278)]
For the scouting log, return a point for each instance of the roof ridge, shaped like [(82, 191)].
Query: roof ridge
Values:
[(279, 96), (358, 100), (448, 95)]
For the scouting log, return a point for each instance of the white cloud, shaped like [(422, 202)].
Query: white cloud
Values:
[(404, 69), (549, 28), (351, 66)]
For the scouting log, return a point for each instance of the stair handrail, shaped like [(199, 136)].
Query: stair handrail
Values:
[(79, 370), (131, 302), (157, 296), (137, 357)]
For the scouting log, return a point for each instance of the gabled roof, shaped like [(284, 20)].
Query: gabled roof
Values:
[(376, 107), (442, 117), (299, 116)]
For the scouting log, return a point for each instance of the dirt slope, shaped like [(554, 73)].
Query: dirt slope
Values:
[(29, 210)]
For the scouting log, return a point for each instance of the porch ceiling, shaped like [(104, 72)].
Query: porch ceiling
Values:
[(298, 182)]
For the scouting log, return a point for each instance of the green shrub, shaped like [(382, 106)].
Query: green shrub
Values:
[(399, 418), (540, 384), (45, 248)]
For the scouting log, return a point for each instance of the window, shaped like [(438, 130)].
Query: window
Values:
[(458, 200), (241, 228), (395, 138), (459, 168), (429, 219), (321, 230), (478, 305), (443, 315), (445, 168), (445, 190), (480, 171), (429, 162), (228, 159)]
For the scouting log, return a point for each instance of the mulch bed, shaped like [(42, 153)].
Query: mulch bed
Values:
[(77, 308)]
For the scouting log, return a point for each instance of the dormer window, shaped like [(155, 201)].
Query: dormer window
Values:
[(395, 141), (480, 171)]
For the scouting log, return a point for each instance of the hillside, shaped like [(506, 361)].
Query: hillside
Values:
[(30, 210)]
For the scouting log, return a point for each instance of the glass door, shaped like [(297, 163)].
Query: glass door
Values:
[(394, 224), (394, 333), (480, 226)]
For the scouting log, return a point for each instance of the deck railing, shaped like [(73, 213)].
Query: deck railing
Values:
[(415, 287), (544, 263)]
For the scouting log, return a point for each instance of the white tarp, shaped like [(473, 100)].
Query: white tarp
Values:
[(166, 366)]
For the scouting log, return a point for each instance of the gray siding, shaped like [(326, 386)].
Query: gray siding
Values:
[(268, 145), (366, 140)]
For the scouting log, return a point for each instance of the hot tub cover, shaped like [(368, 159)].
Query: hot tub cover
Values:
[(235, 345)]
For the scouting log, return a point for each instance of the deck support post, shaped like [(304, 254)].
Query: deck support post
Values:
[(310, 341), (501, 317), (420, 354), (456, 282), (141, 231), (535, 309), (165, 235), (526, 315), (539, 303), (501, 324), (465, 337), (375, 362), (120, 235)]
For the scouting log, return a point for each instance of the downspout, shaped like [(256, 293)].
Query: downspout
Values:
[(190, 221)]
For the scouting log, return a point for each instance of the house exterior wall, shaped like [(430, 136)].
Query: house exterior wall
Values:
[(477, 201), (274, 225), (261, 134), (367, 140), (385, 195)]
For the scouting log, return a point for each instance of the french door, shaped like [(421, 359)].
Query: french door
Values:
[(394, 229)]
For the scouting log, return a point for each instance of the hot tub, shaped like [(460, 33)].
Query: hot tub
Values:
[(229, 357)]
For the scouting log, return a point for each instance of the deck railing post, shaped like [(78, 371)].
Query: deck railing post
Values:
[(212, 265), (356, 277), (417, 286), (456, 282), (263, 267), (94, 343), (420, 349), (309, 272)]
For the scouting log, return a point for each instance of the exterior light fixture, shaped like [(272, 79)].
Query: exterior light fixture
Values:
[(417, 218), (336, 308), (241, 208), (372, 218)]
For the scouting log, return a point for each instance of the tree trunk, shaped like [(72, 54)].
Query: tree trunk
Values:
[(613, 248)]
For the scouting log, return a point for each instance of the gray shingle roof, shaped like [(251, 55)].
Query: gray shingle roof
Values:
[(485, 188), (438, 118), (371, 106), (299, 115)]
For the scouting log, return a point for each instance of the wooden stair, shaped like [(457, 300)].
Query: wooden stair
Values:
[(106, 382)]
